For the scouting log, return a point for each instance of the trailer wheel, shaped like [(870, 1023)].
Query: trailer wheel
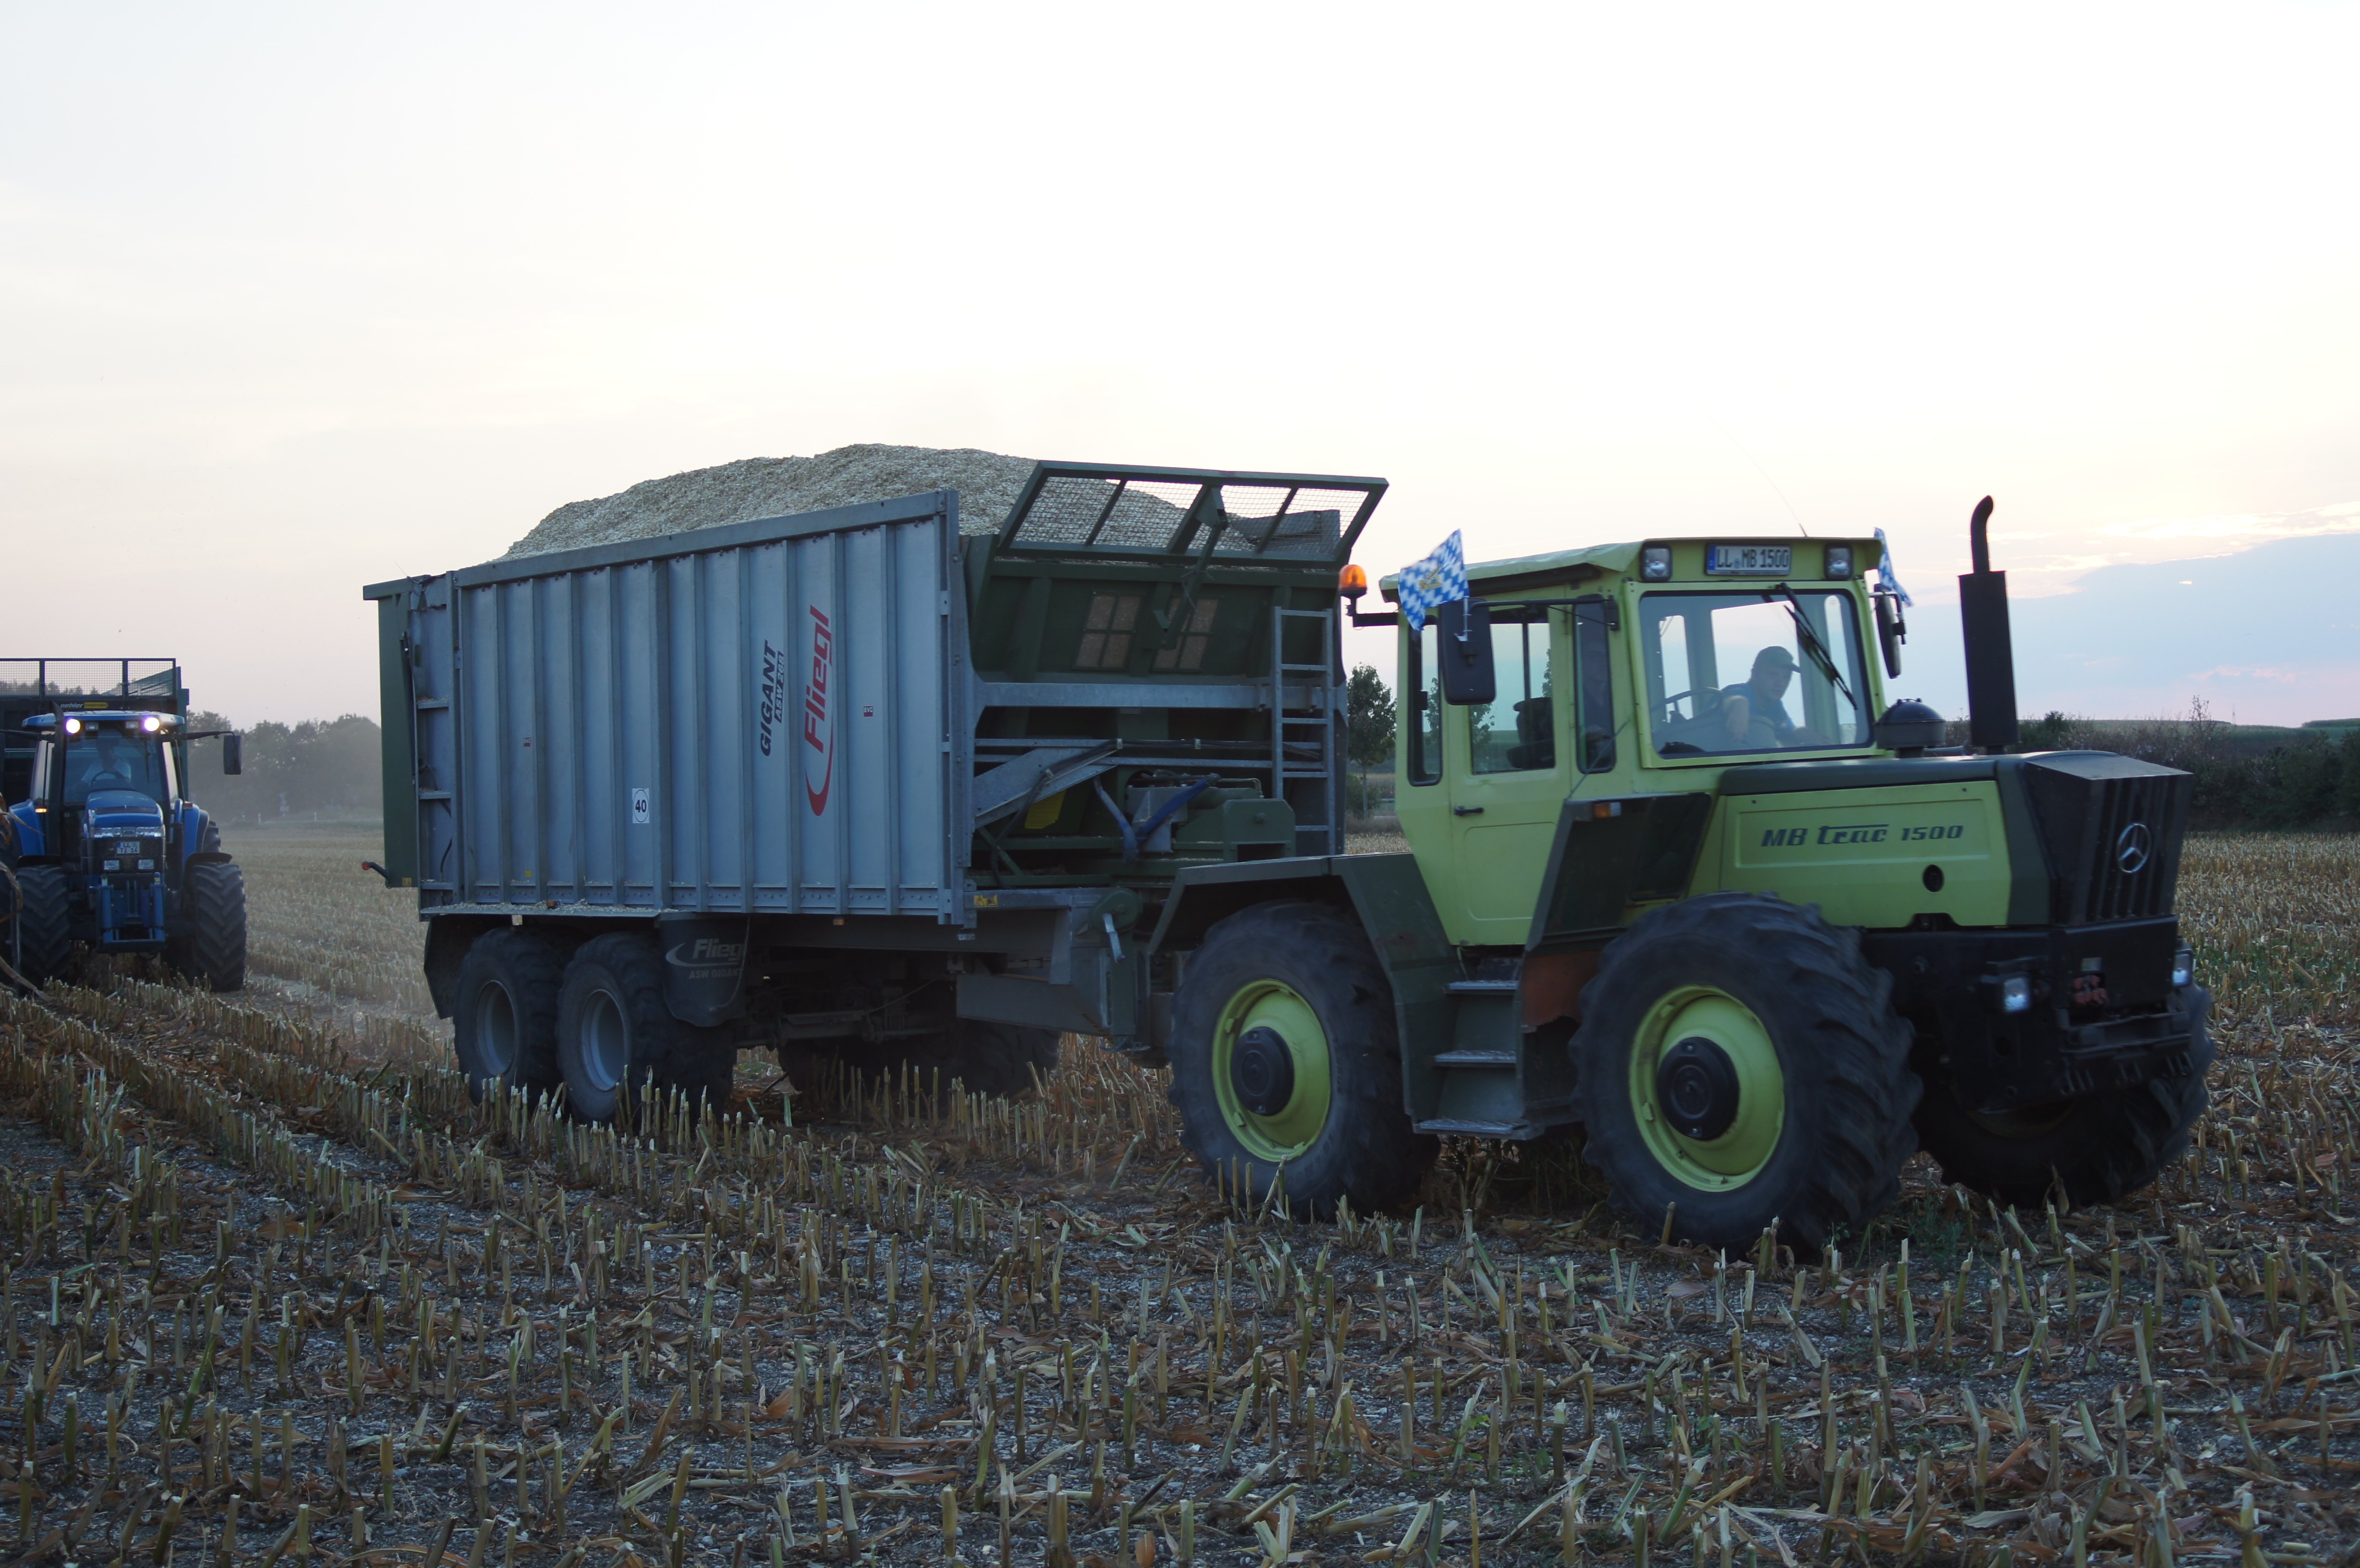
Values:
[(210, 944), (1285, 1057), (44, 924), (615, 1039), (2099, 1148), (1740, 1064), (505, 1015)]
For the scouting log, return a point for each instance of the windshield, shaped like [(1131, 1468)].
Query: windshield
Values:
[(106, 758), (1769, 669)]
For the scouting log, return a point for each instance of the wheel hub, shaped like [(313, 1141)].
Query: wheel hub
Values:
[(1261, 1070), (1697, 1085)]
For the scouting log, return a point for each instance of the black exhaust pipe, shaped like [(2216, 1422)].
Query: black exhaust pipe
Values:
[(1991, 658)]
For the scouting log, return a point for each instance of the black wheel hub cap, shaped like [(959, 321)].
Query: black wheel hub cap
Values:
[(1696, 1085), (1261, 1072)]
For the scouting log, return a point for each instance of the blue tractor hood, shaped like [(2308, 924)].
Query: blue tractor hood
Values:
[(121, 810)]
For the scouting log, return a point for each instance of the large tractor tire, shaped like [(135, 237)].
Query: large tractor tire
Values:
[(210, 944), (1283, 1056), (2097, 1147), (1740, 1064), (44, 924), (505, 1018), (617, 1041)]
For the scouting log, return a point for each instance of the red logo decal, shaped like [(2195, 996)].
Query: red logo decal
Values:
[(818, 734)]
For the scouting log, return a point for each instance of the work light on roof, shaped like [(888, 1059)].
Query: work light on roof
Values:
[(1656, 563), (73, 726), (152, 724), (1839, 560)]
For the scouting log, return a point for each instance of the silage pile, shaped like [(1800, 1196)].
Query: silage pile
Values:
[(779, 486)]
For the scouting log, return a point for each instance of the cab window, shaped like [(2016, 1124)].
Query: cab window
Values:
[(1516, 732), (1422, 726), (1767, 670)]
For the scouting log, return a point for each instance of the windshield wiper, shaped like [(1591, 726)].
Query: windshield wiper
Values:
[(1813, 644)]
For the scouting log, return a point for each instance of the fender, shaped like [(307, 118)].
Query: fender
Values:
[(1388, 896)]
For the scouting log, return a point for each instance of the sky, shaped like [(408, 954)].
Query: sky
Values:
[(298, 298)]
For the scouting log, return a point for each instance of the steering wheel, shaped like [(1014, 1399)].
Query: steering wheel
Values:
[(1672, 714)]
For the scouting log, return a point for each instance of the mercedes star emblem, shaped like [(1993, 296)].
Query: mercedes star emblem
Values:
[(2131, 849)]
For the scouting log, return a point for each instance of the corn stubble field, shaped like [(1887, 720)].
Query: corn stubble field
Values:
[(277, 1291)]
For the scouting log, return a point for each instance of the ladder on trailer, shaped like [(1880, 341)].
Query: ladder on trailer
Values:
[(1303, 738)]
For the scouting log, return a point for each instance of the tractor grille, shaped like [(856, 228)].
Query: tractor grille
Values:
[(2112, 826)]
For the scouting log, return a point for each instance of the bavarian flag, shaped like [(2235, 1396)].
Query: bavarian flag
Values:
[(1437, 580)]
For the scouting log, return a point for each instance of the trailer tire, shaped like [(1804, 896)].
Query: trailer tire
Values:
[(2099, 1148), (1740, 1064), (210, 944), (1319, 1092), (504, 1018), (44, 924), (616, 1040)]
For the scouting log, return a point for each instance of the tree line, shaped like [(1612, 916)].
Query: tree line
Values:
[(328, 768)]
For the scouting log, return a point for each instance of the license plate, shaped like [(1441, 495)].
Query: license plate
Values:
[(1749, 559)]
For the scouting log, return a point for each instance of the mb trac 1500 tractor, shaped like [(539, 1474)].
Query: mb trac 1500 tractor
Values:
[(107, 851), (1679, 876)]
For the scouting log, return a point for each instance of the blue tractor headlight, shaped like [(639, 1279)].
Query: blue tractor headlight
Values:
[(73, 726)]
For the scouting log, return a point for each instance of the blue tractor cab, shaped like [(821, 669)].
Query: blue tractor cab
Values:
[(107, 851)]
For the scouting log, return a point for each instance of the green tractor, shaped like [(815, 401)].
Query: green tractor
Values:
[(1679, 875)]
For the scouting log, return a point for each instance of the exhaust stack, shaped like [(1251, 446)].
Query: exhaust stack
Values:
[(1991, 658)]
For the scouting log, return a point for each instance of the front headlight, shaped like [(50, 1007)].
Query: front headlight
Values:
[(2183, 968), (2016, 994)]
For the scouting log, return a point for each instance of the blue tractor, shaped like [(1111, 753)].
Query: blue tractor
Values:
[(99, 846)]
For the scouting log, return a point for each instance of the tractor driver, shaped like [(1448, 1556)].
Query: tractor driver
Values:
[(1754, 710), (111, 769)]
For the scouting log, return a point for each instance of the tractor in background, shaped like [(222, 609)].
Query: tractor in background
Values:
[(101, 847)]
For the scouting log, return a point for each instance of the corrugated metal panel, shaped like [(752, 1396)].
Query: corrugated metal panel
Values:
[(769, 716)]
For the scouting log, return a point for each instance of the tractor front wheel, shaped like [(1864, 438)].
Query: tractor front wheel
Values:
[(1740, 1065), (211, 944), (1284, 1059), (2097, 1147), (44, 924)]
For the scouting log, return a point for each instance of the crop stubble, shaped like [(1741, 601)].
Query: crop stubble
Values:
[(266, 1263)]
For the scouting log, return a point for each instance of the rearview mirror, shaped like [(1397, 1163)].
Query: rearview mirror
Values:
[(1892, 631), (1464, 652), (233, 756)]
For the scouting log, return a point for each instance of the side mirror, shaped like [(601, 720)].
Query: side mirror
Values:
[(233, 754), (1892, 631), (1464, 651)]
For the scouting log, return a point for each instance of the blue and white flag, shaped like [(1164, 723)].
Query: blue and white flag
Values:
[(1885, 572), (1437, 580)]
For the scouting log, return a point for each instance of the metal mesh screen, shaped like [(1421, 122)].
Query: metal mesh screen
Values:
[(1259, 519), (89, 677)]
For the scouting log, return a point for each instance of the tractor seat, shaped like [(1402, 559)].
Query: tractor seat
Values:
[(1536, 747)]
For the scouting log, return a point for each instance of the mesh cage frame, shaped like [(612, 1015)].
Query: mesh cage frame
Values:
[(1170, 514)]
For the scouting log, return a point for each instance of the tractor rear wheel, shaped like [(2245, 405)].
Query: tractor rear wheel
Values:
[(616, 1040), (1740, 1064), (44, 924), (2097, 1147), (211, 944), (1284, 1059), (504, 1020)]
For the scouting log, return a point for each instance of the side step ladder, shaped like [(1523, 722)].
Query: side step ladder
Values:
[(1500, 1078)]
